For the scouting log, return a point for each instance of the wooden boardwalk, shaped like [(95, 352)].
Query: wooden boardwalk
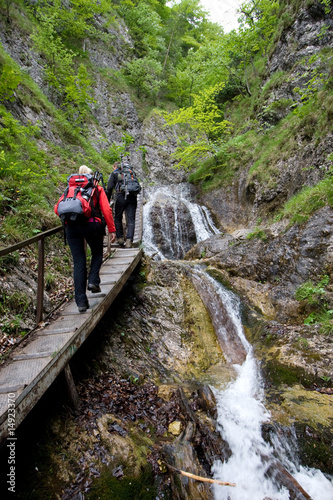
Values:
[(36, 362)]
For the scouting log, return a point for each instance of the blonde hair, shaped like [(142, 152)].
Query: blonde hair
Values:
[(85, 170)]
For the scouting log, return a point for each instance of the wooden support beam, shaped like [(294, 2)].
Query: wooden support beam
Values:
[(72, 392)]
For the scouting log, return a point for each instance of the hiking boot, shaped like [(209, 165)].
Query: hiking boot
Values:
[(120, 242), (128, 244), (83, 308), (94, 288)]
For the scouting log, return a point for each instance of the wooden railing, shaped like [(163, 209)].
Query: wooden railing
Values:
[(40, 239)]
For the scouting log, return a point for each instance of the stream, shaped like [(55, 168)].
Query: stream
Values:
[(240, 403)]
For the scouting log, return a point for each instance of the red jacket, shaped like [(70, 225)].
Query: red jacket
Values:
[(105, 208)]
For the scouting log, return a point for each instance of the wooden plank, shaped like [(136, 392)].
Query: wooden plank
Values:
[(34, 375), (9, 389), (33, 355)]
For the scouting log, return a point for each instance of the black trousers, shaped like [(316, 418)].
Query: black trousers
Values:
[(93, 233), (128, 205)]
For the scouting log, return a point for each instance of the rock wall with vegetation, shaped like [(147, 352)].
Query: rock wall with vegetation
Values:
[(282, 141), (249, 119)]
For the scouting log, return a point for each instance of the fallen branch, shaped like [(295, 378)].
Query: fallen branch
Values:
[(199, 478)]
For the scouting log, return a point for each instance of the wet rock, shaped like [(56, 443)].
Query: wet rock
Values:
[(276, 266), (211, 247), (172, 227), (206, 401), (180, 455), (280, 474)]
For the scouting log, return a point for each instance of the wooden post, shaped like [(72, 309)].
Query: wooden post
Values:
[(40, 281), (72, 392)]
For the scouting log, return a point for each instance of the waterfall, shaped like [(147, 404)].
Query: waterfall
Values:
[(241, 413), (167, 217), (240, 405), (202, 220)]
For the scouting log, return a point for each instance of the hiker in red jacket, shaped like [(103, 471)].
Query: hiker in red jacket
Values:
[(92, 230)]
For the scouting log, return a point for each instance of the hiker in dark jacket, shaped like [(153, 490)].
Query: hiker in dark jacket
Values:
[(125, 202), (92, 230)]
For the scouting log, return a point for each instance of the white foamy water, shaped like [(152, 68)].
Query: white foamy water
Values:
[(203, 224), (241, 414), (241, 410)]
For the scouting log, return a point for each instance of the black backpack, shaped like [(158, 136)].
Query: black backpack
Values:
[(127, 180)]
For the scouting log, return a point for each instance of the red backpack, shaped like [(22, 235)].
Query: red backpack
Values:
[(76, 201)]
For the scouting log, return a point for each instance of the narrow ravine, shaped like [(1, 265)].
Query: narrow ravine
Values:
[(240, 403)]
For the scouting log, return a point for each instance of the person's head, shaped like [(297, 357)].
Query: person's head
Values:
[(115, 165), (85, 170)]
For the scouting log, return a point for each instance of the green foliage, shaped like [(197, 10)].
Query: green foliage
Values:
[(17, 140), (327, 4), (145, 75), (127, 139), (113, 153), (220, 170), (179, 86), (12, 307), (315, 80), (204, 117), (189, 154), (74, 89), (145, 27), (59, 58), (301, 206), (257, 233), (10, 78), (312, 292), (116, 151), (74, 19), (315, 295), (77, 95)]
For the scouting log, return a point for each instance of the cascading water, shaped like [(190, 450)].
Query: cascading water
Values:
[(241, 411), (172, 223), (241, 414)]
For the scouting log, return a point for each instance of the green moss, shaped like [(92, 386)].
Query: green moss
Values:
[(138, 488), (219, 276), (280, 374), (315, 452)]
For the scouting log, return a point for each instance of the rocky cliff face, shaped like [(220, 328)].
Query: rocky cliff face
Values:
[(166, 334), (248, 199), (278, 264), (114, 111)]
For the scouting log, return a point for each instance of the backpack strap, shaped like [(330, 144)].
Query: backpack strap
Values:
[(66, 192), (95, 208), (76, 192)]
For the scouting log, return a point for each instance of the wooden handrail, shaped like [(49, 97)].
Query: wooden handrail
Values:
[(40, 238), (25, 243)]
